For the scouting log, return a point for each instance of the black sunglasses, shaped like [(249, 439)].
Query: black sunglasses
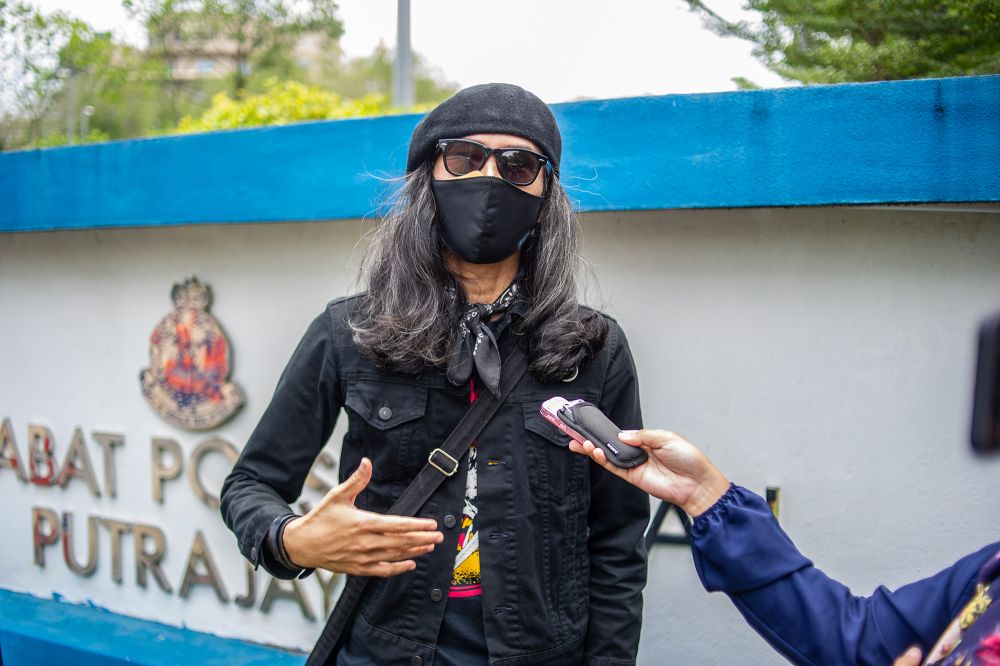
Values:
[(519, 166)]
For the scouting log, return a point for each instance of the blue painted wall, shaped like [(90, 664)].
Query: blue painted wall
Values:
[(910, 141), (41, 631)]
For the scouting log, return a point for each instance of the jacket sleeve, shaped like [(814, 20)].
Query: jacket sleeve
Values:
[(269, 473), (808, 617), (617, 519)]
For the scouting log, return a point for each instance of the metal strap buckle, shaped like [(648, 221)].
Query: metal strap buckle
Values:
[(454, 463)]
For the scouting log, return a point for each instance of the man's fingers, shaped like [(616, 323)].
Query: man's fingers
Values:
[(384, 524), (386, 569), (399, 541), (349, 490), (358, 481), (398, 554)]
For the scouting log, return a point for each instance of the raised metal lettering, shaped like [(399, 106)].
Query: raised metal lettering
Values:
[(88, 569), (165, 472)]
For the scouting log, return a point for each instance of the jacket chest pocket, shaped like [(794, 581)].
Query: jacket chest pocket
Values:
[(555, 471), (383, 418)]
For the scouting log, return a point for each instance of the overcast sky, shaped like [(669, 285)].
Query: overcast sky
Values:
[(558, 49)]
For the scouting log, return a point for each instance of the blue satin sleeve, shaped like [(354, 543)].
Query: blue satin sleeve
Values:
[(808, 617)]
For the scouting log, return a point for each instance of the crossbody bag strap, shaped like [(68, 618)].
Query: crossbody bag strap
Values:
[(442, 463)]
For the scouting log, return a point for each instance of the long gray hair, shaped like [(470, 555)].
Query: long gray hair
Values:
[(409, 317)]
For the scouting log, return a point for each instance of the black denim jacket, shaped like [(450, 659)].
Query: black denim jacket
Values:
[(562, 555)]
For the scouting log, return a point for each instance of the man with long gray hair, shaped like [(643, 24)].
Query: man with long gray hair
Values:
[(517, 550)]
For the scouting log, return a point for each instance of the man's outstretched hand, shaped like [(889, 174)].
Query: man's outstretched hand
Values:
[(338, 536)]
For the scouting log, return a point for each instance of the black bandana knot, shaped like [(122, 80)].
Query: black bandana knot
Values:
[(476, 346)]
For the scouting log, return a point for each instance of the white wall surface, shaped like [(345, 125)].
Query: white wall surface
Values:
[(825, 351)]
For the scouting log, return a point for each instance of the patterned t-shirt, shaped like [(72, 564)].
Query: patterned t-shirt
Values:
[(465, 581), (462, 639)]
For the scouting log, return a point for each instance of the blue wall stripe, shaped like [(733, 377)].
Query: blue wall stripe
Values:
[(935, 140), (41, 631)]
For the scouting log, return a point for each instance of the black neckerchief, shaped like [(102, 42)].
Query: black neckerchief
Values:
[(475, 345)]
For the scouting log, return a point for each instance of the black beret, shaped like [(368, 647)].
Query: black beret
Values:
[(500, 108)]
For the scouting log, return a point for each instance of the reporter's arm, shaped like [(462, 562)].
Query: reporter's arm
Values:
[(740, 549)]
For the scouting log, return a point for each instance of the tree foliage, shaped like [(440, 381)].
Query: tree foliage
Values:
[(127, 92), (834, 41), (30, 72), (251, 36), (63, 82), (281, 102)]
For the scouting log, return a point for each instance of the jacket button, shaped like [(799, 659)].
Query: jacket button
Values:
[(253, 553), (385, 413), (417, 660), (436, 595), (449, 521)]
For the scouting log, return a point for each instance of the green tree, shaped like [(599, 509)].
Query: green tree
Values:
[(64, 83), (250, 37), (30, 72), (834, 41), (117, 90), (281, 102)]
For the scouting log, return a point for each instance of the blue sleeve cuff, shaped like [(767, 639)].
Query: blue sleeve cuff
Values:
[(738, 545)]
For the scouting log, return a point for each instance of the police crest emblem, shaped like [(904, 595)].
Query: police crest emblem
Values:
[(187, 381)]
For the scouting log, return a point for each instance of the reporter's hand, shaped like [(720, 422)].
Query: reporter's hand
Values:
[(337, 536), (911, 657), (676, 470)]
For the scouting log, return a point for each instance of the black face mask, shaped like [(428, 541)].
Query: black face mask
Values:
[(484, 219)]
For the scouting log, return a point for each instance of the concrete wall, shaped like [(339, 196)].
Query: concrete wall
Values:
[(828, 351)]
